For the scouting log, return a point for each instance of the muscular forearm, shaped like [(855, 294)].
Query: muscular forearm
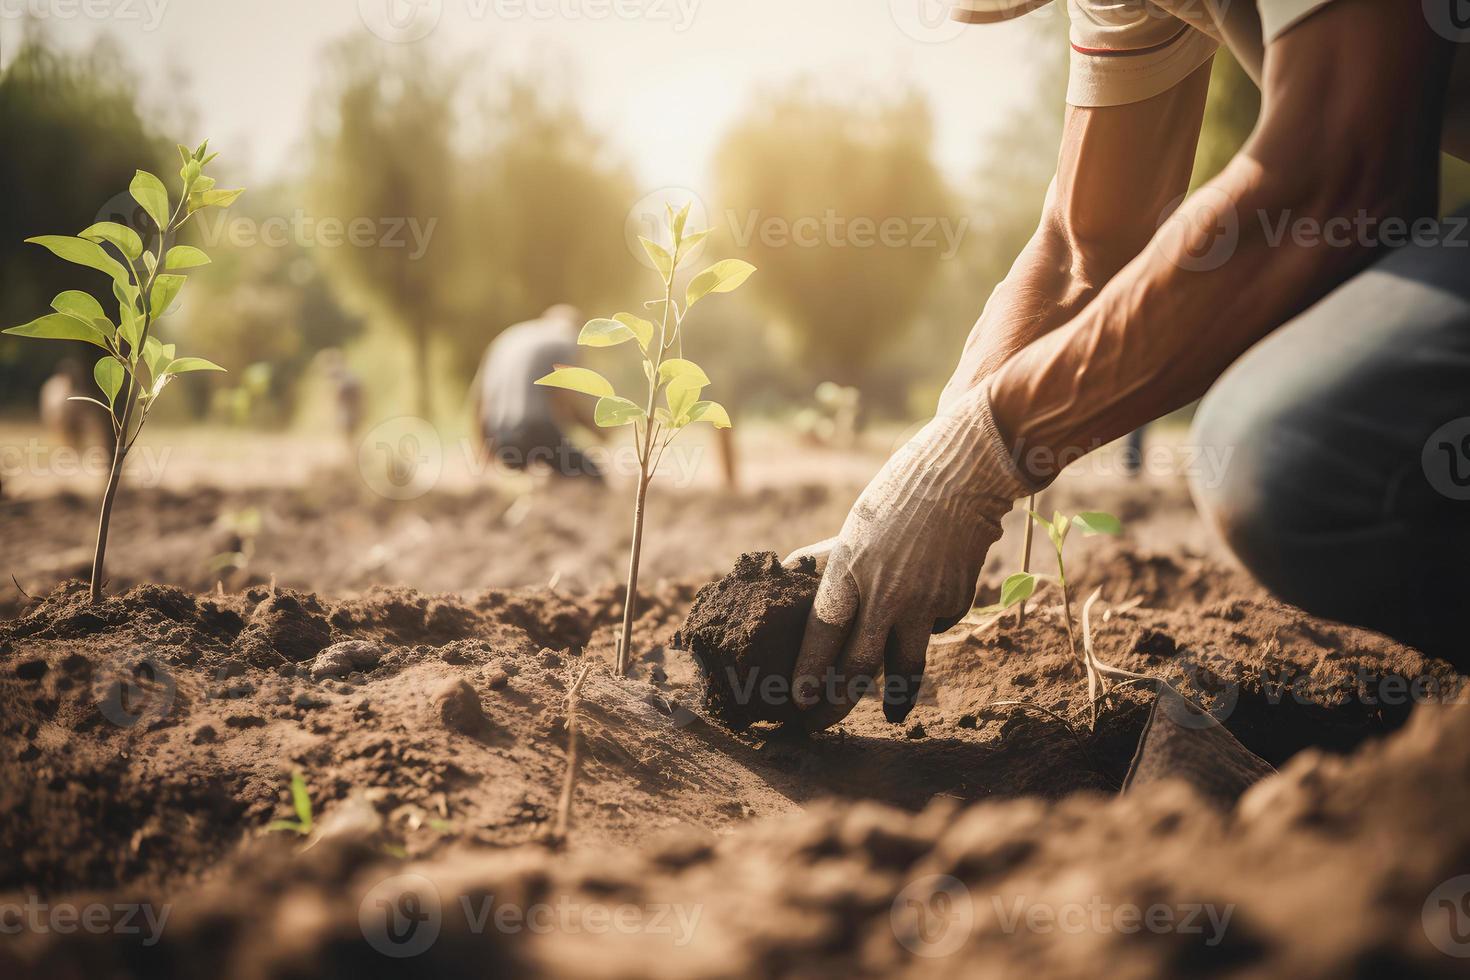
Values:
[(1348, 141), (1118, 170)]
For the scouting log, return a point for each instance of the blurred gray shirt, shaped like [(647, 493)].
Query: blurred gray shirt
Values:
[(510, 399)]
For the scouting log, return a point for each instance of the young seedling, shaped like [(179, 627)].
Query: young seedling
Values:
[(146, 281), (301, 803), (1019, 587), (668, 372)]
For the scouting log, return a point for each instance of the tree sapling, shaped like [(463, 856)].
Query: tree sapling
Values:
[(136, 366), (681, 381)]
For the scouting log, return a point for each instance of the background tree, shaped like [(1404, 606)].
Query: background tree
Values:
[(382, 150), (546, 201), (70, 120), (801, 155)]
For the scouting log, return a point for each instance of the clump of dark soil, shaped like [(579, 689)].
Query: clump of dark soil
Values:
[(745, 633)]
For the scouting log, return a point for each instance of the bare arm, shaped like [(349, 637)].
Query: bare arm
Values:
[(1349, 133), (1119, 168)]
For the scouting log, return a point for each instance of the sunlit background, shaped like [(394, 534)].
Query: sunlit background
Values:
[(424, 173)]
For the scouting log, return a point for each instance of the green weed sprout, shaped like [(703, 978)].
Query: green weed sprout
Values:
[(136, 366), (301, 803), (667, 371)]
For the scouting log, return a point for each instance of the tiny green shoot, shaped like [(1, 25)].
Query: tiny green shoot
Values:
[(667, 371), (146, 276), (301, 803), (1021, 586)]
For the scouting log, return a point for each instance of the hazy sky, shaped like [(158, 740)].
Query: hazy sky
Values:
[(662, 78)]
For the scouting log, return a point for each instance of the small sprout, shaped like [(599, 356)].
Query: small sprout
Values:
[(680, 381), (301, 803), (1021, 586)]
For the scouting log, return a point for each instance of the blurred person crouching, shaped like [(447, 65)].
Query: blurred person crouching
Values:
[(521, 425)]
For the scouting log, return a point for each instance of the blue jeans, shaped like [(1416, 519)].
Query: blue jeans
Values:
[(1347, 486)]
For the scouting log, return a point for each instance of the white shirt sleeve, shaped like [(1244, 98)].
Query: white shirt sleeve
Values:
[(1122, 50)]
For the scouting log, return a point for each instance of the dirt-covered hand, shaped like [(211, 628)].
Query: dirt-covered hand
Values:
[(906, 563)]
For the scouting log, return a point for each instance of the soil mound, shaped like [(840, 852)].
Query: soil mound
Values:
[(745, 632)]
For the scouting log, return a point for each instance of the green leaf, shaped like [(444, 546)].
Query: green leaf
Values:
[(185, 154), (722, 277), (276, 826), (84, 307), (301, 801), (213, 199), (691, 242), (60, 326), (185, 257), (681, 394), (158, 356), (680, 219), (185, 365), (605, 332), (1017, 588), (613, 411), (1097, 522), (130, 325), (586, 381), (124, 238), (79, 251), (677, 367), (712, 412), (109, 376), (662, 260), (641, 328), (165, 290), (149, 191)]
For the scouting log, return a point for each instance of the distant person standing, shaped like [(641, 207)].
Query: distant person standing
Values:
[(520, 423), (346, 389), (76, 425)]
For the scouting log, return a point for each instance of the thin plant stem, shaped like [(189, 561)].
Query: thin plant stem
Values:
[(1026, 553), (569, 780), (125, 439)]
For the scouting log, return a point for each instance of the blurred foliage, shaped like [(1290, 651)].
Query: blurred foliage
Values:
[(1231, 109), (70, 120), (525, 213), (382, 153), (800, 156)]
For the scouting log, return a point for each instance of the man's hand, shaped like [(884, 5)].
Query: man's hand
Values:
[(906, 563)]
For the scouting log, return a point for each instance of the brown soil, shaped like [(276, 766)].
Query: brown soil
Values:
[(745, 632), (148, 741)]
